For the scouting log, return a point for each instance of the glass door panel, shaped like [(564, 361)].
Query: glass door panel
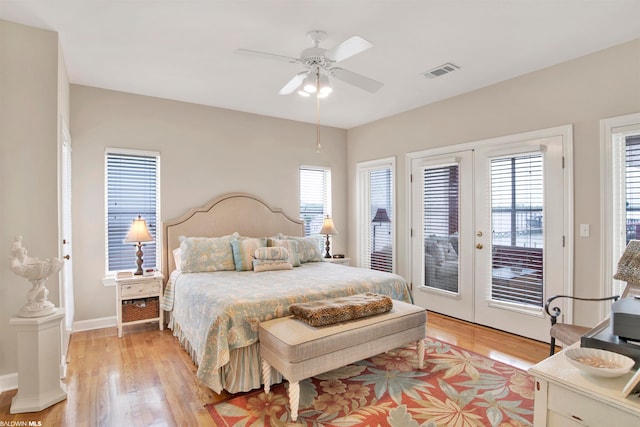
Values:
[(517, 231), (440, 208)]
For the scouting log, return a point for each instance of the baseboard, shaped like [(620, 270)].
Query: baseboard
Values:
[(91, 324), (8, 382)]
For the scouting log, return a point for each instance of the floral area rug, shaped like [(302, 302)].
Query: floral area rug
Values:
[(455, 388)]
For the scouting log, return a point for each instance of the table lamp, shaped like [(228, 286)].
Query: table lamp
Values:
[(328, 229), (138, 233)]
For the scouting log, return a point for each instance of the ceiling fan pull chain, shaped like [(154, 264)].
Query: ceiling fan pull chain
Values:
[(318, 146)]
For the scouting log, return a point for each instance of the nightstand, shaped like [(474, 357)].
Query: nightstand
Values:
[(138, 300), (564, 396), (341, 261)]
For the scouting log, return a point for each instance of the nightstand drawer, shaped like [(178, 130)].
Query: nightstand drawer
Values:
[(141, 289), (585, 410)]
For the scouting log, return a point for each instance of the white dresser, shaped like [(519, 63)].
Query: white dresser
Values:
[(566, 397)]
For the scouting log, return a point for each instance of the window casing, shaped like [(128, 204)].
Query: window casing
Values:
[(376, 214), (315, 199), (132, 188)]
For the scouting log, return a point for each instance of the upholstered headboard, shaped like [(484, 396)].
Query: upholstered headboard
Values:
[(226, 214)]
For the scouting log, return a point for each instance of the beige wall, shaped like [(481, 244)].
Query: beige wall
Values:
[(31, 93), (578, 92), (205, 152)]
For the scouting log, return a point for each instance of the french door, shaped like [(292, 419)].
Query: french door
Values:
[(489, 240)]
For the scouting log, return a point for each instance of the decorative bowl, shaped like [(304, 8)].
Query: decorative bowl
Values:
[(597, 362)]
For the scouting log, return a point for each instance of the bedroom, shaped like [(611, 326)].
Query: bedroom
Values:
[(196, 137)]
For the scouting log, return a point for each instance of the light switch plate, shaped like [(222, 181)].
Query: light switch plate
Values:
[(584, 230)]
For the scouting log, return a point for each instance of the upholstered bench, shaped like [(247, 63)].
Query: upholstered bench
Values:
[(298, 350)]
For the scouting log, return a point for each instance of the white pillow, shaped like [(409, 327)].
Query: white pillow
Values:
[(177, 258), (434, 249)]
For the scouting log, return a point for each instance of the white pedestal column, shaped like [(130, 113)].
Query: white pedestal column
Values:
[(39, 384)]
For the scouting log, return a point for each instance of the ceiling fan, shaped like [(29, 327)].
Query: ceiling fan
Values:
[(320, 63)]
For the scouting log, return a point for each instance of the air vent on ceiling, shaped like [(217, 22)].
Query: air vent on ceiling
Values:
[(440, 70)]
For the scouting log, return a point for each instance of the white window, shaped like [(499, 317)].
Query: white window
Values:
[(315, 200), (132, 188), (376, 217), (621, 219)]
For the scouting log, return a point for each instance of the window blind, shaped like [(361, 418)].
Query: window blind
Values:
[(315, 200), (440, 223), (441, 201), (131, 190), (380, 247), (517, 224), (632, 187)]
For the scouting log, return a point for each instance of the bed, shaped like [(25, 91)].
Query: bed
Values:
[(215, 314)]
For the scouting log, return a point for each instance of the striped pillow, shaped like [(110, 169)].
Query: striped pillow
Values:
[(243, 250), (273, 253)]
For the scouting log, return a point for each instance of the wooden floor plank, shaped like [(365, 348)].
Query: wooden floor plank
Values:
[(146, 378)]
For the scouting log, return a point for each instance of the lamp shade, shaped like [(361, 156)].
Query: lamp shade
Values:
[(328, 227), (310, 84), (381, 216), (138, 232), (629, 264), (325, 88)]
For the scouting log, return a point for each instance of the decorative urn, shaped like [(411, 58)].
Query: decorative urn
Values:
[(36, 271)]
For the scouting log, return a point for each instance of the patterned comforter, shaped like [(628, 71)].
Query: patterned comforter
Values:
[(218, 312)]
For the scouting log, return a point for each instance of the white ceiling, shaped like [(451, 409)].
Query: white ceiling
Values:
[(184, 49)]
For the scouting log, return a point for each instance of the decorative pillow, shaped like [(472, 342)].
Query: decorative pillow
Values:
[(433, 248), (291, 246), (449, 252), (271, 265), (308, 249), (202, 254), (243, 250), (177, 258), (453, 239), (273, 253)]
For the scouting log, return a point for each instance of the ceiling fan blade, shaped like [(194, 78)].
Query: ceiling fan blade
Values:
[(352, 46), (293, 84), (267, 55), (356, 79)]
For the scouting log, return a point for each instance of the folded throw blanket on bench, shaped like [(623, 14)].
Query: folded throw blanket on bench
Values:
[(335, 310)]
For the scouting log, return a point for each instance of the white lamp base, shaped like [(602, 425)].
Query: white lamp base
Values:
[(39, 384)]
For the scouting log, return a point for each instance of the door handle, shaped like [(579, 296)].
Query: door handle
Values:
[(67, 257), (479, 246)]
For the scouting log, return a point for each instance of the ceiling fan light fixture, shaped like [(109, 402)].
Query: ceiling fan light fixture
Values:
[(309, 84), (303, 93), (325, 87)]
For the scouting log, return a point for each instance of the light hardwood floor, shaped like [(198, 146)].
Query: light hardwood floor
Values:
[(145, 378)]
